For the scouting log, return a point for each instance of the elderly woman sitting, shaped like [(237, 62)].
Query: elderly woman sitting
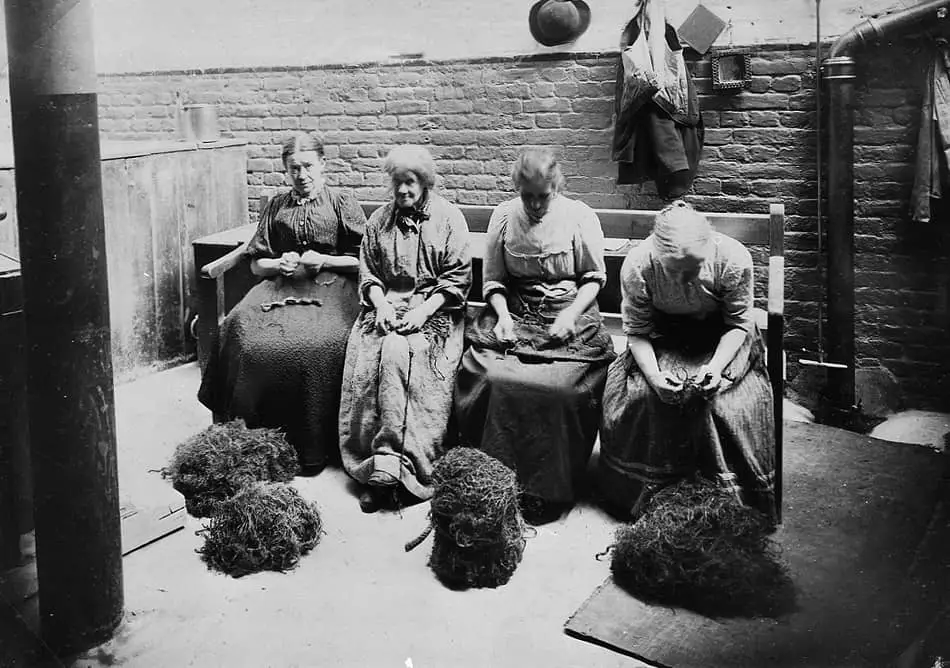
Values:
[(404, 350), (278, 360), (691, 392), (529, 389)]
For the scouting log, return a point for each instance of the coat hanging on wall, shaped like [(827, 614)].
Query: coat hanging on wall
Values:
[(658, 133), (933, 142)]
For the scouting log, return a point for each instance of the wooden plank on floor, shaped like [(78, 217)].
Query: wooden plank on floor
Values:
[(145, 523)]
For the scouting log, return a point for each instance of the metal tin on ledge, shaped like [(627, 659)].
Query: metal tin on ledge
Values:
[(199, 122)]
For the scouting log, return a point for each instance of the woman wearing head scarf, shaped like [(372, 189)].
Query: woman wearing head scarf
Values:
[(278, 359), (404, 350), (691, 393), (529, 389)]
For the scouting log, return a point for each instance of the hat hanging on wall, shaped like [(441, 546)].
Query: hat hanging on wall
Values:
[(555, 22)]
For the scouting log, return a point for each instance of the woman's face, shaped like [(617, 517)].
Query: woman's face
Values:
[(305, 171), (407, 188), (685, 267), (536, 197)]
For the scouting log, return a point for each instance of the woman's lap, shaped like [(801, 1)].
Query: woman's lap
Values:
[(396, 403), (538, 418), (646, 443), (282, 366)]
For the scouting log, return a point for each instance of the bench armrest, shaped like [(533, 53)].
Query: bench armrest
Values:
[(776, 292), (224, 263)]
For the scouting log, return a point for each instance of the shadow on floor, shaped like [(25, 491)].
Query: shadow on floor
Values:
[(357, 600)]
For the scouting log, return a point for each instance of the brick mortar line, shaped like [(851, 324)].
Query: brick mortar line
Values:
[(610, 54)]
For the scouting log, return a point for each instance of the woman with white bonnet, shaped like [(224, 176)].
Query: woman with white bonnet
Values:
[(690, 394)]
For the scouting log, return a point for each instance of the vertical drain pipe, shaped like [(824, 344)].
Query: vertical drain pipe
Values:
[(838, 74)]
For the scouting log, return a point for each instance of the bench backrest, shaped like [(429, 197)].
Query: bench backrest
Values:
[(623, 227), (749, 228)]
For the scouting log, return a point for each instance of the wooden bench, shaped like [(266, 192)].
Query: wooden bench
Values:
[(225, 277)]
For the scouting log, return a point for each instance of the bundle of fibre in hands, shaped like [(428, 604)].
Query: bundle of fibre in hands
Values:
[(691, 388), (265, 526), (217, 463), (479, 532), (696, 546)]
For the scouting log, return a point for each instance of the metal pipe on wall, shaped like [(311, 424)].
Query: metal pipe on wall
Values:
[(838, 72), (66, 307)]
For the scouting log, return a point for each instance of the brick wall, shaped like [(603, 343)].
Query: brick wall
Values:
[(902, 268), (476, 115)]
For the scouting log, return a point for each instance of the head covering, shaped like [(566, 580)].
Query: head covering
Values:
[(679, 230)]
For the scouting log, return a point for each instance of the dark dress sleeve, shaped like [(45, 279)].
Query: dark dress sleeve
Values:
[(262, 244), (352, 222)]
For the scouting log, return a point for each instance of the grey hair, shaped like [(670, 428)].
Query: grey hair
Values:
[(537, 166), (415, 159)]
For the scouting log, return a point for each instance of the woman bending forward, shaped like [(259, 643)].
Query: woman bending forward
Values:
[(691, 393)]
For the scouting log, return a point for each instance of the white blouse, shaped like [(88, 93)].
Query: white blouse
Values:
[(724, 284), (561, 251)]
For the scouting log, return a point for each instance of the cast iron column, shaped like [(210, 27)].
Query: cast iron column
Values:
[(66, 308)]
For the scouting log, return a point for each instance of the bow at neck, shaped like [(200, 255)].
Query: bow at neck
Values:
[(412, 217)]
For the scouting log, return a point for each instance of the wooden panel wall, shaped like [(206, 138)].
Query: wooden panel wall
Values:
[(156, 199)]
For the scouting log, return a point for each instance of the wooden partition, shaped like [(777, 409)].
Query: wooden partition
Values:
[(157, 198)]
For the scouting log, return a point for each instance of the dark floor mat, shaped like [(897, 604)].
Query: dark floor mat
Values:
[(856, 509)]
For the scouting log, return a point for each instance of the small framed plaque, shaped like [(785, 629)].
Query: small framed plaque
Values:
[(731, 69)]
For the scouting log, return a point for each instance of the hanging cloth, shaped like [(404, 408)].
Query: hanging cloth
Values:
[(933, 140), (658, 133), (653, 68)]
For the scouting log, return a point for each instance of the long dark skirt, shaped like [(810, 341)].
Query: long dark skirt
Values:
[(283, 367), (535, 408), (646, 444)]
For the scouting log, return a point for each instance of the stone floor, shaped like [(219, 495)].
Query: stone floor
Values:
[(358, 599)]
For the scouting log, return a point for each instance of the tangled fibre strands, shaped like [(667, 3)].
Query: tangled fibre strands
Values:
[(266, 526), (691, 389), (697, 547), (215, 464), (479, 531)]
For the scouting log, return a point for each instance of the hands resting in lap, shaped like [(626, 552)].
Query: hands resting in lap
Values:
[(294, 265), (411, 321)]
